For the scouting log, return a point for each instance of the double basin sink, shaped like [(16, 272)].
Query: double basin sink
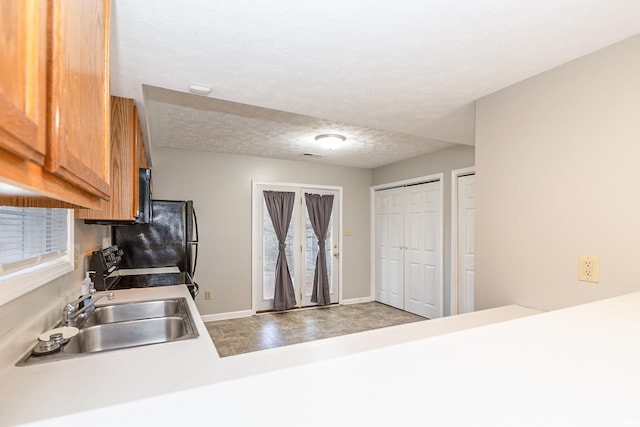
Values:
[(125, 325)]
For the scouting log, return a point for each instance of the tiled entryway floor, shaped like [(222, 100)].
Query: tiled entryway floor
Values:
[(244, 335)]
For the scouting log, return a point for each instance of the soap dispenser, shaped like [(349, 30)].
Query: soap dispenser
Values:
[(92, 286), (86, 284), (88, 288)]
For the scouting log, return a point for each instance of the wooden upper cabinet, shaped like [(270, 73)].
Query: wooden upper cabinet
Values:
[(23, 78), (125, 148), (54, 102), (78, 140)]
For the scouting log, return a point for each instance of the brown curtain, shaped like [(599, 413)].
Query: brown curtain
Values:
[(319, 208), (280, 207)]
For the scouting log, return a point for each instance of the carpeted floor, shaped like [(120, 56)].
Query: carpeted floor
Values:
[(236, 336)]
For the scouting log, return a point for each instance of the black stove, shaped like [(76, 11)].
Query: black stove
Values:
[(153, 279), (107, 275)]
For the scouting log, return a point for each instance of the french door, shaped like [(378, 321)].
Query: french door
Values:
[(301, 247)]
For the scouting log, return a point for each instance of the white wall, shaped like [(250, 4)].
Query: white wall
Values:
[(557, 158), (220, 187), (457, 157)]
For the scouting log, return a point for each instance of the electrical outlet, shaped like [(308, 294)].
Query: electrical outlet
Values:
[(207, 295), (589, 268)]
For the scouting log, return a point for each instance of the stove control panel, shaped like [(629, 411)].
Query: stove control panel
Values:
[(104, 262)]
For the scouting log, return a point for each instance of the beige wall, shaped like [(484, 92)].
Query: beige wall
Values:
[(443, 161), (557, 158), (220, 186)]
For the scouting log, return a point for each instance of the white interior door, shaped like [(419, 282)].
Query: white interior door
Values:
[(424, 287), (389, 236), (466, 242), (310, 248)]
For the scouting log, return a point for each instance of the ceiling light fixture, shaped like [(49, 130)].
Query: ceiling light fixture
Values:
[(199, 90), (330, 141)]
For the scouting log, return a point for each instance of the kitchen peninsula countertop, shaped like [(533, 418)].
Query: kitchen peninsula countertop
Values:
[(575, 366)]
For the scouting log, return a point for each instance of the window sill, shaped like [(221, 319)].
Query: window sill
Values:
[(15, 285)]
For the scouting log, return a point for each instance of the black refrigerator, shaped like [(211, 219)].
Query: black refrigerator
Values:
[(170, 240)]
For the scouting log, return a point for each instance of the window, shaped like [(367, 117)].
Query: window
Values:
[(35, 248)]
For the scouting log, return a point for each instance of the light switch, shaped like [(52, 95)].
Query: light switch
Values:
[(347, 232)]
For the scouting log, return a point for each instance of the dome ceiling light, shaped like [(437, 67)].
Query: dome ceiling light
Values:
[(200, 90), (330, 141)]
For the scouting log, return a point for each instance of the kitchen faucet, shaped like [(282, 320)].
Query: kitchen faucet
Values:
[(71, 313)]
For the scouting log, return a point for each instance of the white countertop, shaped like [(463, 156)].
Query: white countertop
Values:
[(57, 388), (254, 363), (574, 367)]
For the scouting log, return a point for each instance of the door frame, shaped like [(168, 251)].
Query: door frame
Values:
[(372, 234), (455, 174), (254, 233)]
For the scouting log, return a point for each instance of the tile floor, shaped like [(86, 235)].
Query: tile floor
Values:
[(236, 336)]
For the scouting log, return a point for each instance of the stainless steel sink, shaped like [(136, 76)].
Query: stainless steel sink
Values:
[(136, 310), (134, 333), (125, 325)]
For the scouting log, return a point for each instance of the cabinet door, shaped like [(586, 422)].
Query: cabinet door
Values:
[(78, 140), (124, 201), (23, 60)]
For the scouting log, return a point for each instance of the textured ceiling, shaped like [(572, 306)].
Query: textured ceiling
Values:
[(181, 120), (397, 75)]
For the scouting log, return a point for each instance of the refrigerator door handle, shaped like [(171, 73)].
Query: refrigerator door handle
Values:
[(195, 225), (195, 260), (194, 243)]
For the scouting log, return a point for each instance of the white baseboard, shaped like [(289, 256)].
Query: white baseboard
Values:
[(226, 316), (247, 313), (357, 300)]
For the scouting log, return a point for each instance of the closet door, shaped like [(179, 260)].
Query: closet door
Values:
[(408, 248), (389, 231), (423, 250), (466, 242)]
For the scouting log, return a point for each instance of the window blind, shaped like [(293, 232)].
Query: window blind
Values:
[(29, 236)]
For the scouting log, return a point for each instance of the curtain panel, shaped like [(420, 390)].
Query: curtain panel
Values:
[(280, 207), (319, 208)]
